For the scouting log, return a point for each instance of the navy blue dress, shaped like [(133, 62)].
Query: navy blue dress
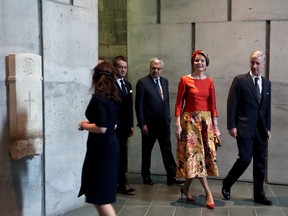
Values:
[(100, 168)]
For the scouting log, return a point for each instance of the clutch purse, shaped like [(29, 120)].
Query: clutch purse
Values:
[(217, 142)]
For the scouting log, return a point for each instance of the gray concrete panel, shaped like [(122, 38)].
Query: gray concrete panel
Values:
[(228, 45), (70, 53), (19, 29), (67, 38), (259, 10), (141, 11), (21, 180), (89, 4), (173, 44), (278, 149), (187, 11)]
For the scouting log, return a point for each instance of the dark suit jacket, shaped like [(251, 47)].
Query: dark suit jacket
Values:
[(125, 112), (149, 106), (243, 110)]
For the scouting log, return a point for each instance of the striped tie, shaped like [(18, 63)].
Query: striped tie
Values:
[(257, 89)]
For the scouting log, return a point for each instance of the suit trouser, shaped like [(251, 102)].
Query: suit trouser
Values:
[(249, 148), (162, 134), (122, 134)]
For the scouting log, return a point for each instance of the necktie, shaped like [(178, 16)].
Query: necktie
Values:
[(159, 88), (123, 87), (257, 89)]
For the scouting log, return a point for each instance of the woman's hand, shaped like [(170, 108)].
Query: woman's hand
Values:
[(178, 131), (217, 132), (81, 126)]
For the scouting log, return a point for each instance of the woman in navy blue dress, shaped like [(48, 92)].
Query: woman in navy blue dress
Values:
[(100, 168)]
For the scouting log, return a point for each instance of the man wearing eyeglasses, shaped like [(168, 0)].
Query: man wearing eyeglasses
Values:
[(153, 116)]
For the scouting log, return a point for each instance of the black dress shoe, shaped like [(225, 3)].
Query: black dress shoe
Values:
[(147, 181), (174, 180), (226, 193), (126, 189), (263, 201)]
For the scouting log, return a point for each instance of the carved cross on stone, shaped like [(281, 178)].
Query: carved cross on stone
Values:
[(29, 101)]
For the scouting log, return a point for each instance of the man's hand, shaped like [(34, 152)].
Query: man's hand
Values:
[(144, 129), (233, 132)]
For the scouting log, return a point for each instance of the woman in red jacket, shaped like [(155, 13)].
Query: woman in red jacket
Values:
[(196, 124)]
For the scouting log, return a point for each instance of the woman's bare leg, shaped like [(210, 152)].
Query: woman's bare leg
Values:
[(185, 189), (209, 196), (105, 210)]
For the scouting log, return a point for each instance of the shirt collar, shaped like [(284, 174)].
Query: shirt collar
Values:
[(253, 76)]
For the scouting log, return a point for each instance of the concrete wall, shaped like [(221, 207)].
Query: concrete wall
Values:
[(112, 28), (229, 33), (66, 36), (20, 181)]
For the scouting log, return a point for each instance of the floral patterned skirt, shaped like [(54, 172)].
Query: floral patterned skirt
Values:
[(196, 153)]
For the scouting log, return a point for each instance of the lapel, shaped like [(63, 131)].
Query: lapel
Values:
[(264, 89)]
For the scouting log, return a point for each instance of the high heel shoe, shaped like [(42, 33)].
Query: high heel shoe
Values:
[(210, 205), (189, 199)]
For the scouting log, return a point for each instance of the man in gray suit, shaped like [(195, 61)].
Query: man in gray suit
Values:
[(249, 122), (153, 115)]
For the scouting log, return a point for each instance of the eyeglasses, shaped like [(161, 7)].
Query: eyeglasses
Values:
[(156, 68)]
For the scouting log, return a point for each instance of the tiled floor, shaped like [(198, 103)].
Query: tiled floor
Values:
[(163, 200)]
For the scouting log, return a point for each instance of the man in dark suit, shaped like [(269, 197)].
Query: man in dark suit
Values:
[(125, 126), (153, 115), (249, 122)]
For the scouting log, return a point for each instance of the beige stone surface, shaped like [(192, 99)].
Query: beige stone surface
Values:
[(141, 11), (228, 45), (259, 10), (187, 11), (25, 104), (173, 44), (278, 149), (89, 4)]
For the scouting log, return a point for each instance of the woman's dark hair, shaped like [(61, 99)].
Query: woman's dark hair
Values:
[(104, 82), (200, 52)]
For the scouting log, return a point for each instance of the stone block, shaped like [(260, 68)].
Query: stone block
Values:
[(70, 51), (66, 42), (172, 43), (187, 11), (25, 104), (229, 45), (259, 10), (86, 3), (277, 149), (141, 11)]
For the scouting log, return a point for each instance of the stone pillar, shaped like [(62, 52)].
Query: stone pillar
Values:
[(24, 77)]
